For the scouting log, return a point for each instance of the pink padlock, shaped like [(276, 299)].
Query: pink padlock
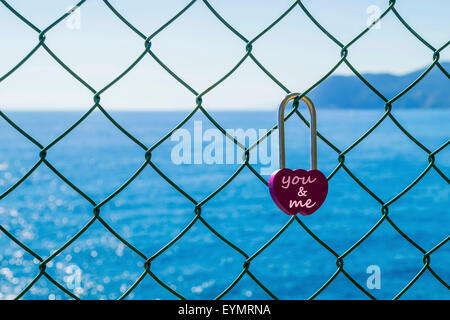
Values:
[(298, 191)]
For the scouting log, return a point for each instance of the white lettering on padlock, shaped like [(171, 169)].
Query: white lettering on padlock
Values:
[(286, 181)]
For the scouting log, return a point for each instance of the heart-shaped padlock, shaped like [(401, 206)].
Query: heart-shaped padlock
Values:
[(298, 191)]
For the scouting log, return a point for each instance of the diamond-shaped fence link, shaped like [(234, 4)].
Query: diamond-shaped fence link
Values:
[(147, 52)]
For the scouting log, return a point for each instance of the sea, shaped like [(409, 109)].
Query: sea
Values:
[(44, 211)]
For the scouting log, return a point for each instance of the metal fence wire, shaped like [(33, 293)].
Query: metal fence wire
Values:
[(389, 103)]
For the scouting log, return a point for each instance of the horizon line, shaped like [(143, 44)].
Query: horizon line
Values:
[(215, 109)]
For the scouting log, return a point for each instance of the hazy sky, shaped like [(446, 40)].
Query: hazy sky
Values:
[(200, 49)]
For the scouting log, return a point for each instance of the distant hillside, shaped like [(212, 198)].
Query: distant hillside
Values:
[(348, 92)]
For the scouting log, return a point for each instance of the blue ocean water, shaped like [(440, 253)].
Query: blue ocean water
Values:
[(44, 212)]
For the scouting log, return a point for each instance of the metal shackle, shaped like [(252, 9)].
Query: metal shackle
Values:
[(312, 112)]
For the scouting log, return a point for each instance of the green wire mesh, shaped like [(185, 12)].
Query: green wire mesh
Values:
[(197, 218)]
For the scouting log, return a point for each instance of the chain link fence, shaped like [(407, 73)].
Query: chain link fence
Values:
[(147, 53)]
